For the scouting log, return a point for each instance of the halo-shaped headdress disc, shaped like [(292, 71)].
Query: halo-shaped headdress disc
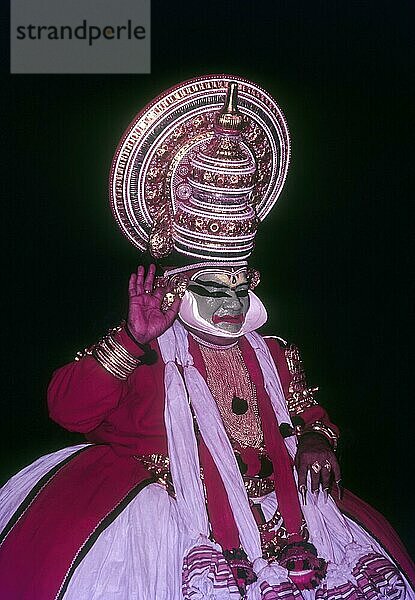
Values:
[(199, 167)]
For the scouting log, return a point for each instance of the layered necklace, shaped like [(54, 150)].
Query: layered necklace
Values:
[(234, 392)]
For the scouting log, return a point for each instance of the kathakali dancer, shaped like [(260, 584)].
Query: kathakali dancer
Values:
[(210, 470)]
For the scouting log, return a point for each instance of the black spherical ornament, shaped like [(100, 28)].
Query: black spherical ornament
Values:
[(286, 430), (239, 406), (267, 468)]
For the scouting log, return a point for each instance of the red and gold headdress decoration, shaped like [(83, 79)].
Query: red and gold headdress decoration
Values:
[(199, 168)]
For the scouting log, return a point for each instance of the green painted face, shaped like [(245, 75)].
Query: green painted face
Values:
[(222, 298)]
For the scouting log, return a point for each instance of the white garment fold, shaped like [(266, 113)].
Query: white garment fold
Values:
[(175, 343)]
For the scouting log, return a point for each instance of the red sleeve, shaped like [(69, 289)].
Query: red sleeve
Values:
[(278, 348), (82, 393)]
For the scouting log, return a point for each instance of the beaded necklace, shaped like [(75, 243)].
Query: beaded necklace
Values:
[(235, 394), (210, 344)]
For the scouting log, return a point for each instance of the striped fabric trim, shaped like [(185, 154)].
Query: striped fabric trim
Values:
[(283, 591), (35, 491), (378, 540), (205, 568), (377, 577)]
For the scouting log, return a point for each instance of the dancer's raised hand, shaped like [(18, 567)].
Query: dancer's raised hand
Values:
[(146, 319)]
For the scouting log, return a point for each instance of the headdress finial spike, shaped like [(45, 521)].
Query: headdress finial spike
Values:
[(231, 102), (229, 118)]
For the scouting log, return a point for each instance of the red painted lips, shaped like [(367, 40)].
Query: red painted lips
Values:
[(227, 319)]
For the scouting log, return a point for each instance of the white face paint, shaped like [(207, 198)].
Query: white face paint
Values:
[(222, 298)]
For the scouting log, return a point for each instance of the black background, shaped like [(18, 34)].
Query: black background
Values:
[(334, 253)]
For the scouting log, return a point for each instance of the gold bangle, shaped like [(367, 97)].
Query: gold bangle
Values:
[(112, 355), (109, 364)]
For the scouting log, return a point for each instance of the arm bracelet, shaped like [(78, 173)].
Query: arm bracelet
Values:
[(323, 429), (300, 396), (116, 359)]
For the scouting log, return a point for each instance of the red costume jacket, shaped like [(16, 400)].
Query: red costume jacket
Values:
[(129, 414)]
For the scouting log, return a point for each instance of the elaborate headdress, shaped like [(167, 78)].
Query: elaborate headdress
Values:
[(199, 168)]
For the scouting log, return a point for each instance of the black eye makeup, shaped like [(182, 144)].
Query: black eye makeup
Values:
[(202, 291)]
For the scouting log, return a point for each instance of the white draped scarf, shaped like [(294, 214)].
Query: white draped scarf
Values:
[(184, 461)]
